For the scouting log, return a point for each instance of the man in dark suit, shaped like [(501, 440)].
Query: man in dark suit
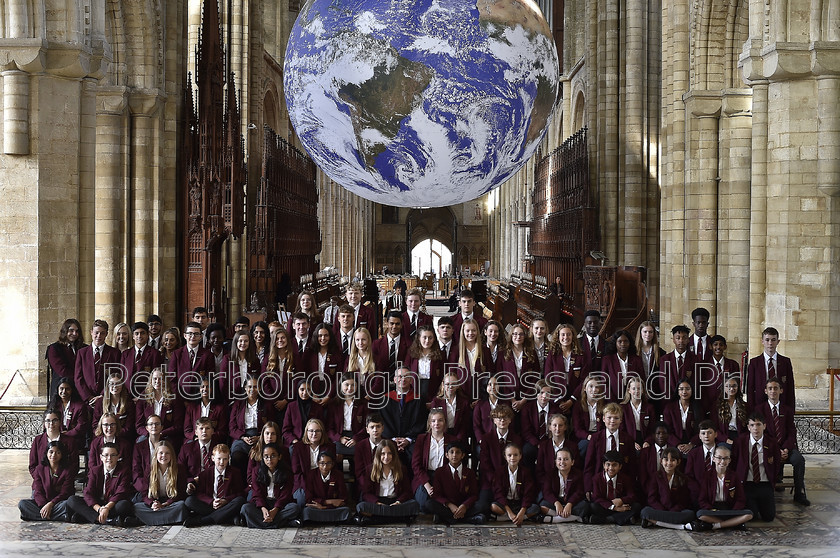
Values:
[(767, 365), (393, 347), (107, 496), (404, 414), (699, 343), (757, 462), (140, 360), (466, 303), (592, 344), (191, 358), (413, 317), (92, 363), (780, 427)]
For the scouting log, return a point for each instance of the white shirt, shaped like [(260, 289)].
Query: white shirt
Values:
[(562, 483), (450, 412), (386, 486), (471, 356), (623, 365), (767, 359), (348, 416), (517, 360), (720, 496), (733, 411), (313, 457), (269, 491), (614, 436), (760, 443), (243, 371), (436, 451), (251, 420), (512, 490), (646, 358), (502, 437), (424, 367), (637, 414), (593, 417), (684, 414), (205, 409), (322, 362), (159, 406), (459, 470)]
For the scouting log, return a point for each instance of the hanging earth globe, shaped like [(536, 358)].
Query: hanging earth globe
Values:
[(420, 103)]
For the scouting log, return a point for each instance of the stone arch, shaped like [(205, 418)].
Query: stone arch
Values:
[(140, 30), (578, 112), (719, 30), (271, 112)]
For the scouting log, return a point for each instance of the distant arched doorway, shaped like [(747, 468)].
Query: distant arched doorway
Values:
[(431, 255), (437, 224)]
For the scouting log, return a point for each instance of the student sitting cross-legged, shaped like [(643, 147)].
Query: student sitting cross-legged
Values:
[(455, 492), (669, 498), (219, 492), (163, 501), (514, 490), (386, 494), (722, 500), (52, 485), (272, 505), (326, 494), (563, 496), (107, 497)]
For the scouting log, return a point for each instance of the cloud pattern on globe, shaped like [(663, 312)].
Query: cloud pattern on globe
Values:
[(420, 103)]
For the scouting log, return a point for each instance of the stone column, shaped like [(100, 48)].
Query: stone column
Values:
[(87, 202), (15, 112)]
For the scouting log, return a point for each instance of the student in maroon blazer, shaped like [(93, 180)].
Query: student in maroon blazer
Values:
[(456, 499), (423, 463), (482, 421), (326, 493), (684, 435), (162, 505), (456, 408), (759, 490), (277, 509), (394, 333), (52, 433), (700, 460), (90, 370), (587, 413), (700, 342), (567, 501), (639, 413), (427, 362), (534, 420), (209, 405), (61, 355), (722, 499), (674, 366), (559, 438), (780, 427), (565, 366), (203, 362), (365, 315), (305, 456), (381, 503), (324, 364), (215, 502), (107, 431), (599, 445), (591, 338), (649, 460), (669, 498), (723, 367), (243, 434), (298, 412), (516, 503), (370, 368), (345, 435), (730, 412), (143, 455), (52, 485), (75, 413), (192, 452), (492, 456), (413, 318), (140, 360), (520, 348), (158, 400), (471, 361), (466, 304), (766, 365), (363, 451), (105, 502), (620, 351), (617, 503), (117, 400)]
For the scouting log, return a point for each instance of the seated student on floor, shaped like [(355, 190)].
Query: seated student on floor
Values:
[(492, 457), (270, 434), (699, 460), (611, 438), (558, 429), (613, 495), (649, 461), (219, 492), (326, 494), (429, 455), (52, 485), (107, 495), (757, 460), (196, 455), (722, 500), (346, 416), (386, 494), (514, 490), (52, 433), (305, 457), (163, 501), (669, 498), (563, 496), (144, 456), (272, 505), (455, 492)]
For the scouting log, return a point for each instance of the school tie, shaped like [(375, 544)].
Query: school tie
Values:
[(610, 490), (777, 423), (771, 367), (720, 368), (205, 458), (105, 486), (542, 424), (612, 443), (345, 345), (153, 344), (402, 402), (300, 346), (754, 462), (413, 324), (699, 351), (592, 347), (192, 357), (392, 354), (137, 356), (97, 356), (708, 460), (218, 486), (659, 461), (679, 365), (456, 476)]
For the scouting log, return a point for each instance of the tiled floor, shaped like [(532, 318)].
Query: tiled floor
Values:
[(805, 532)]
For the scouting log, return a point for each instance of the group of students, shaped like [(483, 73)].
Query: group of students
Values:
[(467, 421)]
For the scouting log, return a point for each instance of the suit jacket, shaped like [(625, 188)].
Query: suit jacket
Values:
[(624, 489), (118, 488), (695, 466), (149, 360), (492, 456), (706, 355), (301, 358), (529, 416), (408, 422), (402, 493), (448, 490), (741, 457), (294, 422), (458, 321), (62, 360), (648, 418), (282, 494), (219, 415), (190, 457), (90, 380), (668, 498), (526, 489), (79, 424), (126, 451), (462, 428), (230, 380), (423, 319), (647, 465), (757, 378), (382, 348), (733, 491), (38, 450), (618, 384), (180, 364), (671, 373), (473, 385), (573, 492), (172, 419), (523, 382), (335, 419), (482, 421), (362, 460), (302, 462), (786, 436), (420, 459), (546, 456), (231, 486), (141, 463), (557, 375), (580, 421), (595, 454), (319, 491), (265, 413), (592, 361), (47, 488)]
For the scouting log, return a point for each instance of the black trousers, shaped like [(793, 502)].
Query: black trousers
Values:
[(761, 499), (77, 504)]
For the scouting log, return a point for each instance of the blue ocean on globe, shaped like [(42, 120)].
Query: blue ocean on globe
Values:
[(420, 103)]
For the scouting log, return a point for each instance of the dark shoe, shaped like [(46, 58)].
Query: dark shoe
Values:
[(409, 520), (801, 499), (741, 527), (294, 523), (131, 521), (360, 519), (586, 520), (478, 519), (780, 488), (192, 522), (699, 525), (113, 522), (436, 519), (78, 519), (239, 521), (647, 524), (597, 520)]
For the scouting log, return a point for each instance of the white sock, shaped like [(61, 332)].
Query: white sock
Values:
[(715, 526), (677, 526), (561, 519), (688, 527)]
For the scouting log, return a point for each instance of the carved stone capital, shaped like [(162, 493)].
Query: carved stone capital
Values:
[(825, 58), (786, 61), (111, 100), (28, 55), (737, 102), (145, 102), (703, 104)]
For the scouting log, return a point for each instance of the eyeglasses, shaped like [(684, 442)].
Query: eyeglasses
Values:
[(192, 333), (719, 458), (50, 421), (109, 425), (153, 424)]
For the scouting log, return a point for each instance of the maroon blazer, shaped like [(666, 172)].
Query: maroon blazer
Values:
[(230, 381), (533, 432), (334, 365), (647, 465), (79, 424), (282, 494), (90, 381), (786, 436), (38, 450), (673, 418), (141, 462), (618, 386), (722, 427), (300, 358), (302, 462), (592, 362), (757, 378), (695, 467), (458, 321), (370, 490), (231, 486), (671, 373), (219, 415), (118, 488), (127, 419), (180, 364), (319, 491), (47, 488), (294, 423), (482, 421), (526, 489), (362, 460), (382, 347), (463, 417), (420, 458), (172, 419), (149, 360), (573, 492), (472, 386), (546, 456), (463, 492), (265, 413), (365, 319), (190, 457), (772, 458), (62, 360), (624, 489), (668, 498), (180, 492), (733, 491), (423, 319), (126, 450), (523, 383), (492, 456), (706, 356), (648, 419), (556, 374), (432, 385), (595, 454), (335, 419), (580, 421)]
